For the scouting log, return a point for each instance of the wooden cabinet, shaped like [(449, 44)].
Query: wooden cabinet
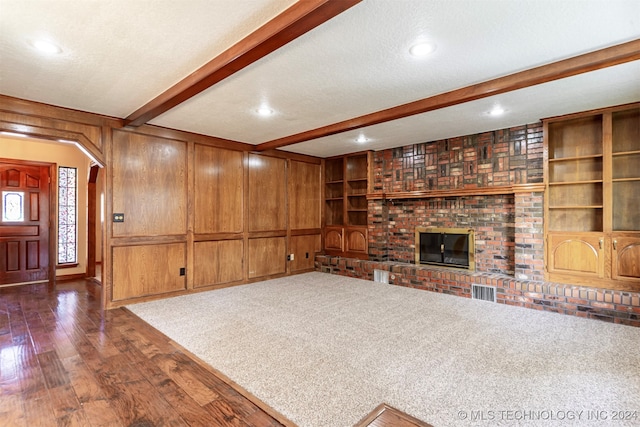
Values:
[(345, 205), (592, 215)]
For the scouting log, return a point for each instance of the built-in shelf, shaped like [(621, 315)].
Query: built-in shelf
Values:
[(625, 179), (346, 186), (593, 181), (592, 228), (625, 153), (572, 158), (576, 207)]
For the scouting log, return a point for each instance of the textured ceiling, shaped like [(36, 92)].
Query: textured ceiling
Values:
[(118, 55)]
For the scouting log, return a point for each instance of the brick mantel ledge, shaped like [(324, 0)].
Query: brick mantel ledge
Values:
[(459, 192), (614, 306)]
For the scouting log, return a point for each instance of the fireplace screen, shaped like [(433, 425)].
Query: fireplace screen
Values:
[(451, 247)]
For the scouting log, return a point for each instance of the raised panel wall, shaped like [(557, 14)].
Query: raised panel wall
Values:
[(148, 270), (304, 196), (267, 256), (304, 249), (219, 190), (267, 191), (217, 262), (149, 185)]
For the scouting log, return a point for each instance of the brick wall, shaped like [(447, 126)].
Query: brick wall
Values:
[(603, 304), (501, 157), (508, 227)]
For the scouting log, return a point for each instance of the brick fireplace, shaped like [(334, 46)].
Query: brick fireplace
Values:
[(491, 183), (465, 171)]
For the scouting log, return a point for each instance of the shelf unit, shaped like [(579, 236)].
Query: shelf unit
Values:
[(592, 176), (345, 202)]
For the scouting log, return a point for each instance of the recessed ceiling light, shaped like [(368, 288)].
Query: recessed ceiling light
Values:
[(496, 111), (47, 47), (422, 49), (264, 111), (361, 139)]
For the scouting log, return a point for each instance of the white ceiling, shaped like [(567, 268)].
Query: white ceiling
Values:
[(119, 54)]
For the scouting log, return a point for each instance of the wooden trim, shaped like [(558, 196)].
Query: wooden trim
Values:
[(603, 58), (288, 156), (385, 415), (217, 237), (76, 276), (185, 136), (300, 18), (462, 192), (92, 200), (53, 134), (63, 266), (595, 112), (39, 109), (306, 231), (266, 234), (537, 187), (53, 223), (148, 240)]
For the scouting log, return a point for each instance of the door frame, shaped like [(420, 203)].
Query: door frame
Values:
[(92, 211), (53, 213)]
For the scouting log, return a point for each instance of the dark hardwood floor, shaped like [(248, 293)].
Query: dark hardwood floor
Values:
[(66, 362)]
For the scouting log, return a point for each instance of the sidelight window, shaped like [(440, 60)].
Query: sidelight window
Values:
[(67, 215)]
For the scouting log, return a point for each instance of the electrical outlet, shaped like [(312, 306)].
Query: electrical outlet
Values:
[(292, 257), (183, 271), (307, 255)]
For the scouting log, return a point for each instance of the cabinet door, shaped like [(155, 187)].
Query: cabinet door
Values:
[(356, 240), (333, 238), (626, 258), (578, 253)]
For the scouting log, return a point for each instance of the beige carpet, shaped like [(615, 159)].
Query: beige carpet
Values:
[(325, 350)]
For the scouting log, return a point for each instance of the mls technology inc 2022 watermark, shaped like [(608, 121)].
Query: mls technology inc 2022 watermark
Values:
[(550, 415)]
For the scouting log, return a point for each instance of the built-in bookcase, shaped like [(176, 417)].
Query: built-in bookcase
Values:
[(345, 202), (592, 201), (626, 170)]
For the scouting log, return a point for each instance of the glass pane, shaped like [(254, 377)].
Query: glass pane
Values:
[(12, 206), (67, 239)]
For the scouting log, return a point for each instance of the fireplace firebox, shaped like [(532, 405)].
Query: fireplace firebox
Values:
[(450, 247)]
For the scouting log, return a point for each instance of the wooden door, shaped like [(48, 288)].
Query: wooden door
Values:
[(24, 222)]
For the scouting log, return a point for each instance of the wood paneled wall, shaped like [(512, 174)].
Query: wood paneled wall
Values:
[(237, 215), (149, 185), (147, 270), (205, 205), (267, 193), (219, 190)]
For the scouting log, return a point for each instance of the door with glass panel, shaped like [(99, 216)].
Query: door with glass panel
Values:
[(24, 224)]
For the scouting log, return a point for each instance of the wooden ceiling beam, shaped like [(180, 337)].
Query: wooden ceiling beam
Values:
[(603, 58), (300, 18)]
